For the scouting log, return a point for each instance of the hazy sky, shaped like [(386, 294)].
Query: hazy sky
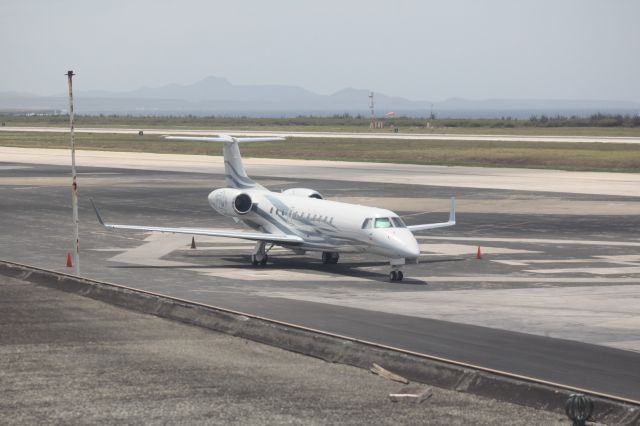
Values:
[(421, 50)]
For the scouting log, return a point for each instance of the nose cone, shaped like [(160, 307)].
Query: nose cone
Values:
[(405, 245), (412, 249)]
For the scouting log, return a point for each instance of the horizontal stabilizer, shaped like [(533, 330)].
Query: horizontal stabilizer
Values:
[(225, 138)]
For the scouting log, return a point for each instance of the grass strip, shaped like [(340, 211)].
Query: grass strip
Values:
[(564, 156)]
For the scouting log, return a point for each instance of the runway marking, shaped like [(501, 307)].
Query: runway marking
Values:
[(621, 258), (593, 271), (26, 188), (462, 249), (15, 167), (512, 279), (99, 173), (526, 262), (627, 264), (536, 241), (155, 247)]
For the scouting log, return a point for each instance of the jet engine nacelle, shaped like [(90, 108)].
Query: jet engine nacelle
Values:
[(303, 192), (230, 202)]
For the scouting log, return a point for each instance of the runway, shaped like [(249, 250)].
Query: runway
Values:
[(556, 295), (556, 181), (343, 135)]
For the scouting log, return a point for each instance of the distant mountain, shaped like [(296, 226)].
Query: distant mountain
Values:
[(219, 89), (217, 96)]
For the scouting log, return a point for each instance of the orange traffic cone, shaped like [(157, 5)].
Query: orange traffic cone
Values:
[(479, 254), (193, 242), (69, 264)]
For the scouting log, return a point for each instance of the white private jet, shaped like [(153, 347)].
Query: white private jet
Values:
[(300, 219)]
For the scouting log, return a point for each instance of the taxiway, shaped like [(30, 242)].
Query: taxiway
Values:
[(556, 296)]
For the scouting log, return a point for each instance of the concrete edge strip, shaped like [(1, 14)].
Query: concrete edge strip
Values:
[(330, 347)]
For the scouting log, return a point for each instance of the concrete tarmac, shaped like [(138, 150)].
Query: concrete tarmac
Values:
[(67, 359), (556, 295)]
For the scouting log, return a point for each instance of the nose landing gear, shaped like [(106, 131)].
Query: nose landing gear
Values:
[(396, 273)]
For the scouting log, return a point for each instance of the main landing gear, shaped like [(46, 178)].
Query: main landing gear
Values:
[(259, 256), (396, 275), (330, 257)]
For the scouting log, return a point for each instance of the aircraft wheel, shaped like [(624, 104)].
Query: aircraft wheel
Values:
[(393, 276), (264, 260), (400, 275), (326, 257), (254, 260)]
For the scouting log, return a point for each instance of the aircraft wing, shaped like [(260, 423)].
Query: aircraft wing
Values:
[(253, 236), (450, 222), (224, 138)]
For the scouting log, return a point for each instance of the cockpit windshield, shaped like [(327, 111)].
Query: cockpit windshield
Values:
[(398, 223), (383, 222)]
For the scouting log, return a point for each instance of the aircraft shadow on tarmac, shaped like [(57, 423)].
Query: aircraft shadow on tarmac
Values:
[(348, 269)]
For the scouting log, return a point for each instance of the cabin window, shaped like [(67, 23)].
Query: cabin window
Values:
[(398, 223), (383, 222), (366, 224)]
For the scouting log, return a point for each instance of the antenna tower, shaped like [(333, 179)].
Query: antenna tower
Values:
[(373, 117)]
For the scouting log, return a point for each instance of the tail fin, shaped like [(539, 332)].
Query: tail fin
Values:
[(234, 173)]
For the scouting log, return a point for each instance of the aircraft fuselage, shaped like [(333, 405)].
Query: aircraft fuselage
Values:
[(323, 225)]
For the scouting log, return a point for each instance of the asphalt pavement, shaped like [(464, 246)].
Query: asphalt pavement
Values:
[(575, 341)]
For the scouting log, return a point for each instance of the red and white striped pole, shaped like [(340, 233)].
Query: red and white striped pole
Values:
[(74, 184)]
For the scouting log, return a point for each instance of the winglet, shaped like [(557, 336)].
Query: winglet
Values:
[(97, 212), (452, 212), (450, 222)]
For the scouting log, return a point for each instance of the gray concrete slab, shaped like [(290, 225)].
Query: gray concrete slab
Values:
[(570, 276), (66, 359)]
